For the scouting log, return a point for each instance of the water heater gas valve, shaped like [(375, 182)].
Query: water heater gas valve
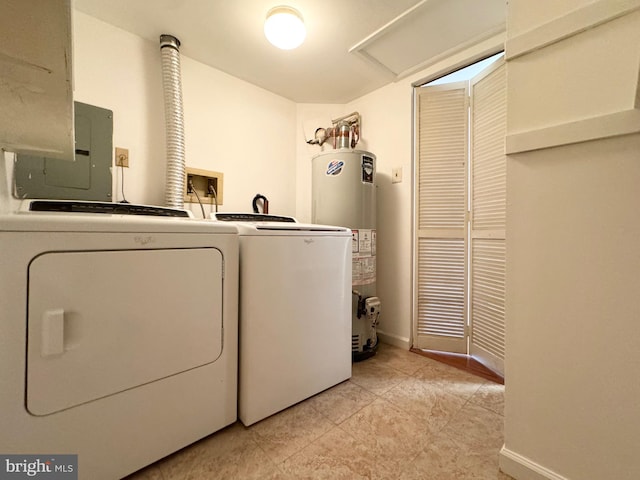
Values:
[(372, 308)]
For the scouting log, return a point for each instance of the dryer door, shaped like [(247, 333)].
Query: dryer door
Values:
[(101, 322)]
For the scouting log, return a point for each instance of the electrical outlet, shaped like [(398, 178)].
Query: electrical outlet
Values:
[(396, 175), (122, 157)]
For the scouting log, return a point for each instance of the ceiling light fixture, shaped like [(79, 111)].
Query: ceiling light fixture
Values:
[(284, 28)]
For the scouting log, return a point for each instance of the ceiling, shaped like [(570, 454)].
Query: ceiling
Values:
[(388, 39)]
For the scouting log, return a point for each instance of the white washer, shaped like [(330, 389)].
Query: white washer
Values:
[(295, 314), (118, 336)]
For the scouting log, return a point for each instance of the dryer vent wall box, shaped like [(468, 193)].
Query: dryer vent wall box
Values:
[(88, 177)]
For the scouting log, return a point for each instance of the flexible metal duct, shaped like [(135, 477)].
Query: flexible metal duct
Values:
[(174, 120)]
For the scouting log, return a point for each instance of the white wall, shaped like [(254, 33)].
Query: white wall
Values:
[(231, 126), (387, 115), (573, 241)]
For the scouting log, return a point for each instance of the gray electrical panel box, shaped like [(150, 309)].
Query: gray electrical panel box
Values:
[(88, 177)]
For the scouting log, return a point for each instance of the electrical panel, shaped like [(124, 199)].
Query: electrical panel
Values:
[(88, 177)]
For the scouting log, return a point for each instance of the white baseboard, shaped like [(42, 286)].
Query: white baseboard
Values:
[(395, 340), (523, 468)]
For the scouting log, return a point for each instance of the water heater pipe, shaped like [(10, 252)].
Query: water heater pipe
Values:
[(174, 120), (345, 132), (350, 116)]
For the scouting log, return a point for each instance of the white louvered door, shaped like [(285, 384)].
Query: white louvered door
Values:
[(461, 257), (442, 129), (488, 217)]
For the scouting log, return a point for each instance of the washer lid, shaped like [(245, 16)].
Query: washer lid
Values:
[(286, 228), (300, 227)]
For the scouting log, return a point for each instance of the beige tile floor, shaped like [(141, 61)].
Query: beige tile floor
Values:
[(400, 416)]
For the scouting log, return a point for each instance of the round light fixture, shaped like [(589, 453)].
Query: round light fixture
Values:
[(284, 28)]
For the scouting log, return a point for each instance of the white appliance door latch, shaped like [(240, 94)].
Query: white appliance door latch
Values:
[(52, 332)]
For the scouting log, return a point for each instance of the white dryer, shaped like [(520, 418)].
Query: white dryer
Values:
[(118, 336), (295, 313)]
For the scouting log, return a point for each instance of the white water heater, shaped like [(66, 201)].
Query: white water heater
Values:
[(344, 193)]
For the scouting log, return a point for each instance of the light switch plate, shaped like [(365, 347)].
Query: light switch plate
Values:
[(396, 175)]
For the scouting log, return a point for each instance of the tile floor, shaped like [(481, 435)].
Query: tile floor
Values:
[(400, 416)]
